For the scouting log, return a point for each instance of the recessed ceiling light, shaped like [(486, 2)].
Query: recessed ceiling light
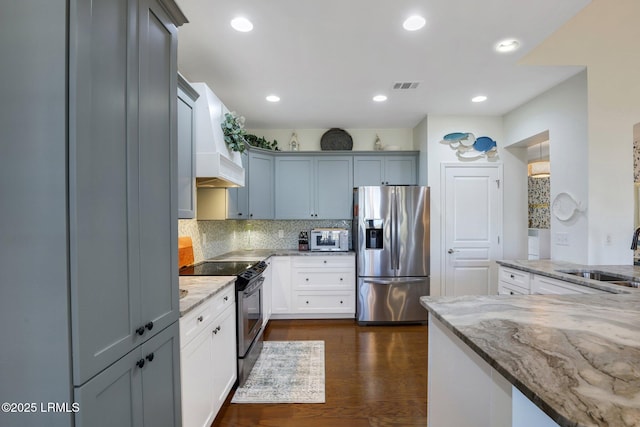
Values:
[(479, 98), (241, 24), (273, 98), (507, 45), (413, 23), (380, 98)]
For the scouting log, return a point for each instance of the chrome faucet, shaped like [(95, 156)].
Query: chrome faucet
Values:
[(634, 242)]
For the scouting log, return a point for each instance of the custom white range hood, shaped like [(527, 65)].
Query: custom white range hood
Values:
[(216, 165)]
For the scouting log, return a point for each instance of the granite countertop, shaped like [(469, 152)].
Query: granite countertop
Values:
[(550, 268), (200, 289), (577, 357), (261, 254)]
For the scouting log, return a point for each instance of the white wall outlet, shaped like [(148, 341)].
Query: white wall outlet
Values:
[(562, 239), (281, 234)]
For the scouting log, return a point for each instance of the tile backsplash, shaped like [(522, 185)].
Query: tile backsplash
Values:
[(539, 200), (213, 238)]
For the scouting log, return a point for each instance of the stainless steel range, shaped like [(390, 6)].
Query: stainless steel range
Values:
[(248, 306)]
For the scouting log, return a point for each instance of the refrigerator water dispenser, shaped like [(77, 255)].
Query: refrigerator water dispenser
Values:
[(374, 234)]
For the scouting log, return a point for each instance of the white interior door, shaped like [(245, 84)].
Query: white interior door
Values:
[(472, 226)]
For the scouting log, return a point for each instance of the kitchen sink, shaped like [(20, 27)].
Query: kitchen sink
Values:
[(627, 283), (596, 275)]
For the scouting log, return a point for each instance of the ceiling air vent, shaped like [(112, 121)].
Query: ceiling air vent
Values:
[(405, 85)]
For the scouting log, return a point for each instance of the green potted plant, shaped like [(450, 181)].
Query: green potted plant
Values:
[(261, 142), (234, 132)]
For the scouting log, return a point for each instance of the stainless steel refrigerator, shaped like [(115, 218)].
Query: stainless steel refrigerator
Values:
[(391, 231)]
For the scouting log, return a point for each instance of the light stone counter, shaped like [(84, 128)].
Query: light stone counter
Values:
[(550, 268), (576, 357), (200, 289)]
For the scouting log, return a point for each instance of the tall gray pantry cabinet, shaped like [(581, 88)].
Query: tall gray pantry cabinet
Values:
[(88, 270)]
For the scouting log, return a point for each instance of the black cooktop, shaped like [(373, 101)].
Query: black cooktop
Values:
[(216, 268)]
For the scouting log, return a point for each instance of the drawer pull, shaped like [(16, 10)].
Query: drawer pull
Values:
[(140, 330), (341, 279), (341, 302), (216, 330), (140, 363), (307, 279), (149, 326), (200, 318), (325, 261), (512, 276), (150, 357), (512, 293), (307, 302), (226, 298)]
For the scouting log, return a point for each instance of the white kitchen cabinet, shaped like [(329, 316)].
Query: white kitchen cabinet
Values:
[(513, 282), (280, 285), (187, 96), (544, 285), (208, 358), (315, 286), (385, 169), (313, 187)]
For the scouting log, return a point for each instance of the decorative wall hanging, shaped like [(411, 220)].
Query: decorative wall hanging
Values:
[(564, 206), (470, 148)]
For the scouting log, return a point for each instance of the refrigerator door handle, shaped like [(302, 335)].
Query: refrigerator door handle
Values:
[(394, 281), (394, 230)]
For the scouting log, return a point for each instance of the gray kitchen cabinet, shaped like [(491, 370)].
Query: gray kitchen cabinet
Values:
[(140, 389), (123, 164), (187, 96), (316, 187), (385, 169), (255, 200), (96, 210)]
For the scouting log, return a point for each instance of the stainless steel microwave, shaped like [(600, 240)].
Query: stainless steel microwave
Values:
[(329, 239)]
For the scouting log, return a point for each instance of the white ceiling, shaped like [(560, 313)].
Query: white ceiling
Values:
[(326, 59)]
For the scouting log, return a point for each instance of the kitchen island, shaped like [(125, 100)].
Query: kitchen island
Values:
[(575, 359)]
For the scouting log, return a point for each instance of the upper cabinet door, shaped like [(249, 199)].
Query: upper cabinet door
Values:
[(102, 156), (334, 187), (186, 150), (261, 186), (368, 171), (294, 188), (157, 220), (400, 170)]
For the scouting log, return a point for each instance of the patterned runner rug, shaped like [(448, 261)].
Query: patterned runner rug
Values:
[(286, 372)]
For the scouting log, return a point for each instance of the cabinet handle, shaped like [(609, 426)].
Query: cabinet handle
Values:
[(150, 357), (226, 298), (251, 215), (140, 330), (512, 293), (218, 328), (512, 276), (307, 279), (140, 363), (341, 279), (215, 331), (239, 213), (200, 318), (307, 302), (325, 261), (149, 326), (341, 302)]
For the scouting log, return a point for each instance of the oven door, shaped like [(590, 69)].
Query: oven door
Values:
[(249, 315)]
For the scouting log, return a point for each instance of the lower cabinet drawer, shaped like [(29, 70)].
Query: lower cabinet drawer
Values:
[(505, 288), (317, 302), (515, 277), (196, 320)]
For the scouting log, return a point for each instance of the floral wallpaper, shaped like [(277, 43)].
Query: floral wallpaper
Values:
[(539, 200), (213, 238)]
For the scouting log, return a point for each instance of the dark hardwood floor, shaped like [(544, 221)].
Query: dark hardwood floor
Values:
[(376, 376)]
